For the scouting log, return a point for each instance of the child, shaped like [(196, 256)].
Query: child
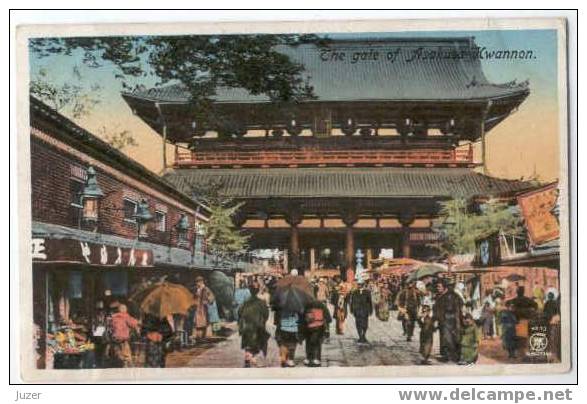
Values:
[(469, 341), (427, 329)]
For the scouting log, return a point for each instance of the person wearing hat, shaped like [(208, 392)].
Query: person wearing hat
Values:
[(203, 296), (361, 307), (448, 312)]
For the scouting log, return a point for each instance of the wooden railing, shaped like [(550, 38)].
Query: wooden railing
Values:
[(261, 158)]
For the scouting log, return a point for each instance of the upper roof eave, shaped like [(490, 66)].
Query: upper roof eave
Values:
[(513, 94)]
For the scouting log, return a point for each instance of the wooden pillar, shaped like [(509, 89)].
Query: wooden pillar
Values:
[(349, 219), (294, 247), (406, 219), (40, 311), (406, 253), (294, 218), (350, 248), (163, 135), (483, 143)]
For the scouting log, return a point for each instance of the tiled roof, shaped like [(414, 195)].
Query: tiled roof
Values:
[(446, 77), (385, 182)]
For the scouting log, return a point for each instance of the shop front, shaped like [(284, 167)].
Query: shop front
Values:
[(75, 285)]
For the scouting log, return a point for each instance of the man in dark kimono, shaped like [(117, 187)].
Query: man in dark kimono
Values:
[(252, 316), (361, 307), (524, 307), (448, 311), (408, 303)]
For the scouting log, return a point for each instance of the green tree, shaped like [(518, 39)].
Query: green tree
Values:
[(223, 238), (458, 226)]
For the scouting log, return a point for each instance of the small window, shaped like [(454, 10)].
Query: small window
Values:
[(130, 210), (116, 283), (160, 221), (76, 189)]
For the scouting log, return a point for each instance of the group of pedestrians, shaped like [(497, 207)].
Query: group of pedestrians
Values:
[(115, 330), (438, 307), (292, 328)]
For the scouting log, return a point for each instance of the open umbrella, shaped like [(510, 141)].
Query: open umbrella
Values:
[(515, 278), (292, 293), (223, 288), (163, 299), (426, 270)]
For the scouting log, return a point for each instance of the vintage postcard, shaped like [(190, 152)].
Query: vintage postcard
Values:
[(285, 200)]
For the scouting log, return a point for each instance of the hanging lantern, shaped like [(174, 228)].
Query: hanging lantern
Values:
[(182, 227), (143, 217), (91, 196)]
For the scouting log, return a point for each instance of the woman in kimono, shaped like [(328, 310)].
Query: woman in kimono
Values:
[(487, 315), (252, 316), (469, 341)]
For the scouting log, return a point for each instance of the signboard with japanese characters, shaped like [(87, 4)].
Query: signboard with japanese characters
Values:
[(536, 207), (76, 251)]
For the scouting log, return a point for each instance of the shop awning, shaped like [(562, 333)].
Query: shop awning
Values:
[(53, 243)]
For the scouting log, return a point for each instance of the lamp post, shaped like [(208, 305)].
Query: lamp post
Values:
[(182, 227), (91, 196), (143, 216)]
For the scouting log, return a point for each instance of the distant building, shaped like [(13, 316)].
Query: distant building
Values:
[(364, 165)]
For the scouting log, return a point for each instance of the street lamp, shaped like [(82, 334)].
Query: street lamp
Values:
[(143, 216), (182, 227), (91, 196)]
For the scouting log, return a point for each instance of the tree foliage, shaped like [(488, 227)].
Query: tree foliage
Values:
[(200, 63), (222, 237), (120, 139), (70, 98), (459, 226)]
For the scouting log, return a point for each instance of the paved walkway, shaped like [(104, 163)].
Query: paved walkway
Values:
[(386, 347)]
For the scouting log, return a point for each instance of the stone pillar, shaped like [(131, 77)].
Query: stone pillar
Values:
[(406, 220), (285, 260), (312, 259), (369, 258), (349, 219)]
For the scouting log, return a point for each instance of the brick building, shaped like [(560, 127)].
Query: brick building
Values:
[(101, 225)]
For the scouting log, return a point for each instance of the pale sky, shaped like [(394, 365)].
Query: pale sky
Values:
[(526, 143)]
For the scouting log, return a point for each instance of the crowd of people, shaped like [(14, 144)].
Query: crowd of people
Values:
[(119, 323), (436, 307)]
